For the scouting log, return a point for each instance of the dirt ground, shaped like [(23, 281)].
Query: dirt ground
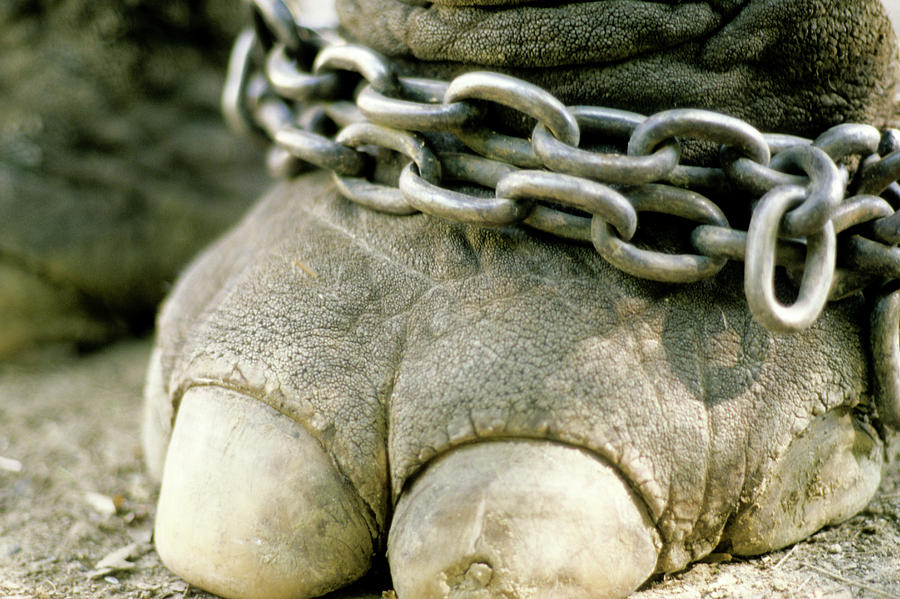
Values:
[(76, 507)]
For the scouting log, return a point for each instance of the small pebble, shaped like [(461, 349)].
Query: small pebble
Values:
[(479, 574), (10, 465), (111, 579), (102, 504)]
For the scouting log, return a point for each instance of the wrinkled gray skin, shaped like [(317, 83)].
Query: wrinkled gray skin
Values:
[(115, 166), (393, 342)]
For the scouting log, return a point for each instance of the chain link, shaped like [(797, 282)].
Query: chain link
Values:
[(343, 107), (611, 168), (659, 266), (818, 272)]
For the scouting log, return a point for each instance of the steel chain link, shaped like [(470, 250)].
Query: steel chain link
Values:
[(329, 105)]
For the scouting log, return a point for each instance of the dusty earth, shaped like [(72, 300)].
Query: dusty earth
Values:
[(76, 508)]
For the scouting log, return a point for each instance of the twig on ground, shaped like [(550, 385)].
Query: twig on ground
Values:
[(845, 580), (784, 559)]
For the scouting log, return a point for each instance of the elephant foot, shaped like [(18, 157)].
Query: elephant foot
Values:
[(251, 506), (520, 519), (540, 425)]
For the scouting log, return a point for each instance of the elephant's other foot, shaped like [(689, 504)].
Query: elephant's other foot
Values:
[(523, 519), (252, 507)]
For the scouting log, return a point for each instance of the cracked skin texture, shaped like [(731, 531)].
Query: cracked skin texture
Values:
[(393, 340), (792, 66), (386, 336)]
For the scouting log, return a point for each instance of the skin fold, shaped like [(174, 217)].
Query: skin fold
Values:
[(388, 347), (774, 63)]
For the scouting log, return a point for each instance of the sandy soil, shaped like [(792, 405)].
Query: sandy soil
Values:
[(76, 507)]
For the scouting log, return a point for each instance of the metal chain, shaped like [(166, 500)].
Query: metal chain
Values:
[(343, 108)]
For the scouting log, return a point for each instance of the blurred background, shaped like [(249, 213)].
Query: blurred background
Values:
[(115, 165), (893, 8)]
